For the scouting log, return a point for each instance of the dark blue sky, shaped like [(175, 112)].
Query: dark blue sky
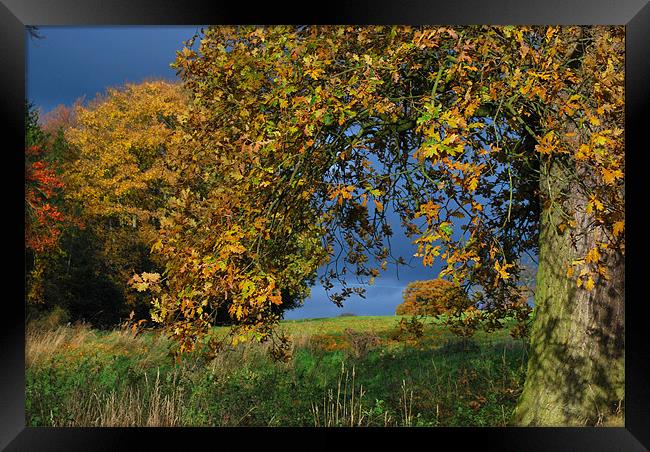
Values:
[(71, 62)]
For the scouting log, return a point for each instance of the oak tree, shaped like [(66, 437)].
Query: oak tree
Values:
[(488, 142)]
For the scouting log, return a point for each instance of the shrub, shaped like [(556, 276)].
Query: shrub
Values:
[(432, 298), (361, 341), (50, 320)]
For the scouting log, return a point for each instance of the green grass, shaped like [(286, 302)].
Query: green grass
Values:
[(344, 371)]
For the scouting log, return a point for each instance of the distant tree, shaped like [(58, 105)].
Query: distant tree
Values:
[(63, 271), (44, 218), (113, 150), (432, 298), (60, 118)]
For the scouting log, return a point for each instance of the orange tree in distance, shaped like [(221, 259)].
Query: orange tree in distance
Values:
[(432, 298), (448, 301)]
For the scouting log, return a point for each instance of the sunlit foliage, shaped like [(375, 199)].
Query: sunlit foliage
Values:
[(299, 142)]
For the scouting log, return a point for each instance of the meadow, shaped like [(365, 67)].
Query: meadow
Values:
[(344, 371)]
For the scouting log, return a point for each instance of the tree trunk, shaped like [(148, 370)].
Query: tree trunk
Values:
[(576, 364)]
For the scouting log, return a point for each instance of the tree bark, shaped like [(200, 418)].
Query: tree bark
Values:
[(575, 370)]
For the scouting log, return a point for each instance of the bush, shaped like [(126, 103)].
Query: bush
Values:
[(50, 320), (432, 298), (361, 341)]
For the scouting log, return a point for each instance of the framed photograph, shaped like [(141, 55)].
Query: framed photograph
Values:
[(375, 215)]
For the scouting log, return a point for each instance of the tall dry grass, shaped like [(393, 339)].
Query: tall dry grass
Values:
[(129, 407), (125, 406), (41, 344), (346, 408), (406, 405)]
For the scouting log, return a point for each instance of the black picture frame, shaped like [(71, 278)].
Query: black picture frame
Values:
[(16, 14)]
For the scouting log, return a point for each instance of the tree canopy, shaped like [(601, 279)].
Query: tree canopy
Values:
[(299, 140)]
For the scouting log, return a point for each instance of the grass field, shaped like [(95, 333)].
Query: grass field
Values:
[(345, 371)]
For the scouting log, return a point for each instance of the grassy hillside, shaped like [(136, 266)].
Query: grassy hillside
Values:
[(344, 371)]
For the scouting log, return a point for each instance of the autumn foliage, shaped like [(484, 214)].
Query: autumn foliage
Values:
[(300, 139), (45, 215), (285, 154), (43, 218), (281, 155), (432, 298)]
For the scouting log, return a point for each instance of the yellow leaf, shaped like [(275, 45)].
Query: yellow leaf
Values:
[(379, 205), (594, 121), (599, 140), (593, 255), (157, 246), (610, 176), (503, 274), (550, 32), (619, 226), (589, 285)]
